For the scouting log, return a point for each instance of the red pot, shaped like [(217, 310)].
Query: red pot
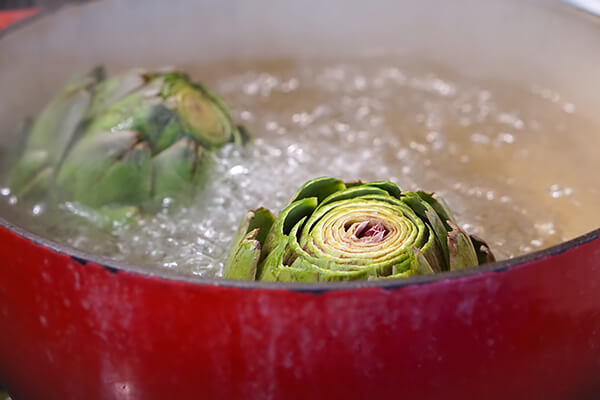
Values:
[(12, 16), (76, 326)]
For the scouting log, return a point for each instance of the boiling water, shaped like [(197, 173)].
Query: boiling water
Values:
[(516, 164)]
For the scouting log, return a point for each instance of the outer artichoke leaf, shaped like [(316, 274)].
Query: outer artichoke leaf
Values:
[(484, 254), (384, 270), (294, 250), (51, 133), (38, 185), (259, 219), (351, 193), (462, 252), (262, 220), (439, 229), (295, 212), (113, 89), (400, 270), (296, 273), (26, 171), (286, 220), (269, 268), (426, 212), (243, 258), (419, 263), (242, 231), (390, 187), (440, 206), (303, 270), (158, 125), (174, 169), (95, 150), (320, 188), (90, 159), (385, 199), (54, 128), (128, 181), (415, 204), (432, 251), (119, 116)]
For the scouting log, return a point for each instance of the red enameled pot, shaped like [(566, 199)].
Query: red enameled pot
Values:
[(76, 326)]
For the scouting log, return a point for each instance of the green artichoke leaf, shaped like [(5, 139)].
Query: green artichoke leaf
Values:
[(351, 193), (286, 220), (110, 91), (242, 264), (107, 168), (160, 126), (127, 181), (462, 252), (248, 242), (426, 211), (433, 253), (420, 264), (391, 188), (51, 134), (320, 188), (178, 171), (332, 231), (120, 115), (440, 207), (304, 271), (38, 185), (269, 268), (484, 254)]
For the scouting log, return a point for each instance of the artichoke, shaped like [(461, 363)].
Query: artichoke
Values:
[(332, 231), (123, 141)]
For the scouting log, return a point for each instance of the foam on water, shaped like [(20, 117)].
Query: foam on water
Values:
[(492, 150)]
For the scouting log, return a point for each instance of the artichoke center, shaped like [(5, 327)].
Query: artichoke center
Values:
[(371, 230)]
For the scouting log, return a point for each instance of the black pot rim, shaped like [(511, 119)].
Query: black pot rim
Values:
[(115, 266)]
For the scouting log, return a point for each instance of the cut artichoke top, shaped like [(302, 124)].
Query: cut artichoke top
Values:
[(123, 140), (334, 231)]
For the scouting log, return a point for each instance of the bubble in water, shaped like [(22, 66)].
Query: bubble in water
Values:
[(37, 209), (558, 191), (480, 138), (504, 137)]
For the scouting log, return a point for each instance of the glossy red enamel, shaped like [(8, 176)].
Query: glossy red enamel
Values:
[(9, 17), (74, 331)]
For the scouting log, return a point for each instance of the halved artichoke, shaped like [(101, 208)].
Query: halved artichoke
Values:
[(332, 231)]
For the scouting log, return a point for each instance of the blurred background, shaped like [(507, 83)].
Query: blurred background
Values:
[(4, 4), (14, 4)]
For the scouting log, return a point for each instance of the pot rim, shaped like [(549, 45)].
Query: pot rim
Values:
[(115, 266)]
